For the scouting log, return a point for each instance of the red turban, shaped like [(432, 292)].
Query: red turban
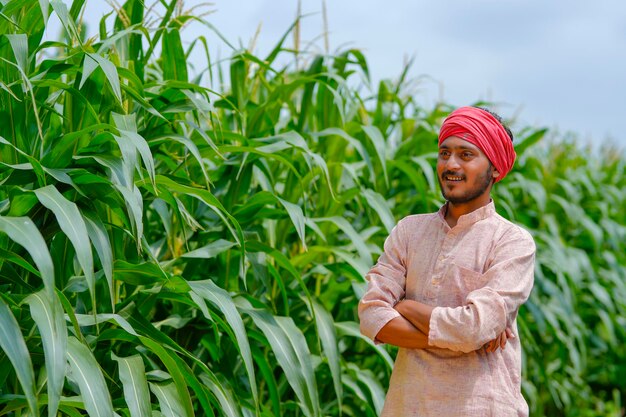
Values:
[(480, 128)]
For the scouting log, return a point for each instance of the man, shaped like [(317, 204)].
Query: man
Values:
[(448, 286)]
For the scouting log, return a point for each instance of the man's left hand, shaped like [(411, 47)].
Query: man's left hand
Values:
[(500, 341)]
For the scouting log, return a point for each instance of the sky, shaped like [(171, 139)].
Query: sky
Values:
[(559, 64)]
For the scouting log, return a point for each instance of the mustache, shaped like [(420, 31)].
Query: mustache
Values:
[(451, 173)]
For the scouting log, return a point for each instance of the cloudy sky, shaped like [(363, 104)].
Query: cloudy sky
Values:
[(559, 63)]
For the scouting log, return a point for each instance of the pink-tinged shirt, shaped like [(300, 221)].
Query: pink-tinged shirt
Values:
[(477, 274)]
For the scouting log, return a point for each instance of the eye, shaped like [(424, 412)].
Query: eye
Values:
[(443, 153), (467, 155)]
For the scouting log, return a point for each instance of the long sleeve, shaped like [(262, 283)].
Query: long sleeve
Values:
[(488, 310), (386, 285)]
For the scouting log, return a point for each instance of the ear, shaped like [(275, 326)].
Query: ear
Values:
[(495, 174)]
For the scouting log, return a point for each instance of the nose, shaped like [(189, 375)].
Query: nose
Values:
[(452, 163)]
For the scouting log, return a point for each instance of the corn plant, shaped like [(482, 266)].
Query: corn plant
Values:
[(178, 244), (573, 200)]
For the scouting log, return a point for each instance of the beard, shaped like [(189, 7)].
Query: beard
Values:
[(483, 182)]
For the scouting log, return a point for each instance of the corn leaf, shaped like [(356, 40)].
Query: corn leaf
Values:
[(224, 302), (13, 345), (328, 336), (48, 315), (71, 222), (169, 401), (289, 346), (22, 231), (87, 374), (133, 377)]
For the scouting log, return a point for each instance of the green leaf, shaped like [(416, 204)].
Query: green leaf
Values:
[(351, 328), (292, 139), (238, 77), (19, 44), (530, 140), (21, 204), (188, 143), (252, 205), (225, 397), (134, 206), (133, 377), (177, 397), (267, 373), (109, 70), (71, 222), (221, 299), (297, 218), (32, 163), (138, 274), (210, 200), (169, 401), (202, 393), (18, 260), (372, 383), (77, 6), (265, 151), (44, 5), (353, 236), (211, 250), (378, 203), (61, 10), (22, 231), (127, 127), (355, 143), (100, 239), (300, 347), (89, 66), (121, 176), (280, 258), (49, 317), (292, 353), (173, 59), (328, 336), (353, 386), (12, 342), (87, 374), (373, 133), (61, 176), (85, 320), (427, 169)]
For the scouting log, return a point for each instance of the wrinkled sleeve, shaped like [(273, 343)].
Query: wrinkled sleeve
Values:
[(488, 310), (386, 285)]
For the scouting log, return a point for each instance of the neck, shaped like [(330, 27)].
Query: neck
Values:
[(455, 211)]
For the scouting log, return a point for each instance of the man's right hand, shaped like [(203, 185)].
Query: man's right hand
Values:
[(500, 341)]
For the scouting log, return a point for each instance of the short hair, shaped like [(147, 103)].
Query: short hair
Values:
[(499, 119)]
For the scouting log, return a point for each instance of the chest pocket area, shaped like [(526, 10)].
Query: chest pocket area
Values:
[(464, 280)]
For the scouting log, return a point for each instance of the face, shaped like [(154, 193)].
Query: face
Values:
[(464, 172)]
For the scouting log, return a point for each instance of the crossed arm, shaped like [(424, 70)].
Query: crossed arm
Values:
[(479, 322), (410, 330)]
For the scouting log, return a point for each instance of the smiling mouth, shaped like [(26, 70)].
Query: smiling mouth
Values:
[(452, 178)]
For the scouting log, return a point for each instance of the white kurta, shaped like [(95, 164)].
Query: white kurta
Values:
[(477, 274)]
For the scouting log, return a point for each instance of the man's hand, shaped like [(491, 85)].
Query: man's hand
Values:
[(500, 341), (417, 313), (400, 332)]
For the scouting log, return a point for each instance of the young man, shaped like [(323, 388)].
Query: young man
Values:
[(448, 286)]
